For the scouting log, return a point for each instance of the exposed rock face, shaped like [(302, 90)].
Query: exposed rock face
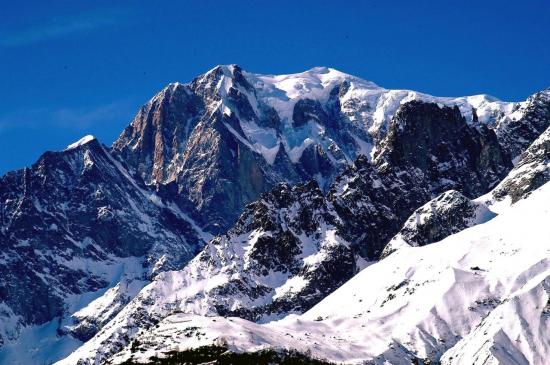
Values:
[(180, 137), (439, 142), (517, 130), (427, 150), (531, 172), (159, 133), (72, 221), (452, 212), (373, 203)]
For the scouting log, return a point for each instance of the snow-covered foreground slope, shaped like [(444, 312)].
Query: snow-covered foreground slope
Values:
[(479, 296)]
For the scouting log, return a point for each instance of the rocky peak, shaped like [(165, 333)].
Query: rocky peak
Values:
[(215, 83), (438, 141), (75, 222)]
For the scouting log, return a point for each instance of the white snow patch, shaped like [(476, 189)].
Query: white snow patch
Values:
[(82, 141)]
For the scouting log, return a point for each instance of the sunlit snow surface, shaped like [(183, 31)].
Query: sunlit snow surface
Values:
[(376, 104), (80, 142), (480, 296)]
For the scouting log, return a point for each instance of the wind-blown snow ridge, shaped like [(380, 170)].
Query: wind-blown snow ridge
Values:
[(80, 142)]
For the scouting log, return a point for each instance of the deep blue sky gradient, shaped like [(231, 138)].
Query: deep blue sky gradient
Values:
[(70, 68)]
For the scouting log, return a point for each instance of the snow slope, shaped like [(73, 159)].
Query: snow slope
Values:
[(479, 294)]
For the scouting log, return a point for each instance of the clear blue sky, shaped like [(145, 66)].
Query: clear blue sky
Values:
[(70, 68)]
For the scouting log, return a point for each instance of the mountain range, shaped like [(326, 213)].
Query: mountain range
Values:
[(283, 217)]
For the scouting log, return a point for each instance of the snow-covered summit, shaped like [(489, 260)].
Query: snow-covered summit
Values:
[(318, 82), (82, 141), (312, 83)]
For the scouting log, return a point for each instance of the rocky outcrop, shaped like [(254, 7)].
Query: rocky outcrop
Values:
[(449, 213), (428, 150), (517, 130), (531, 172), (450, 153)]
